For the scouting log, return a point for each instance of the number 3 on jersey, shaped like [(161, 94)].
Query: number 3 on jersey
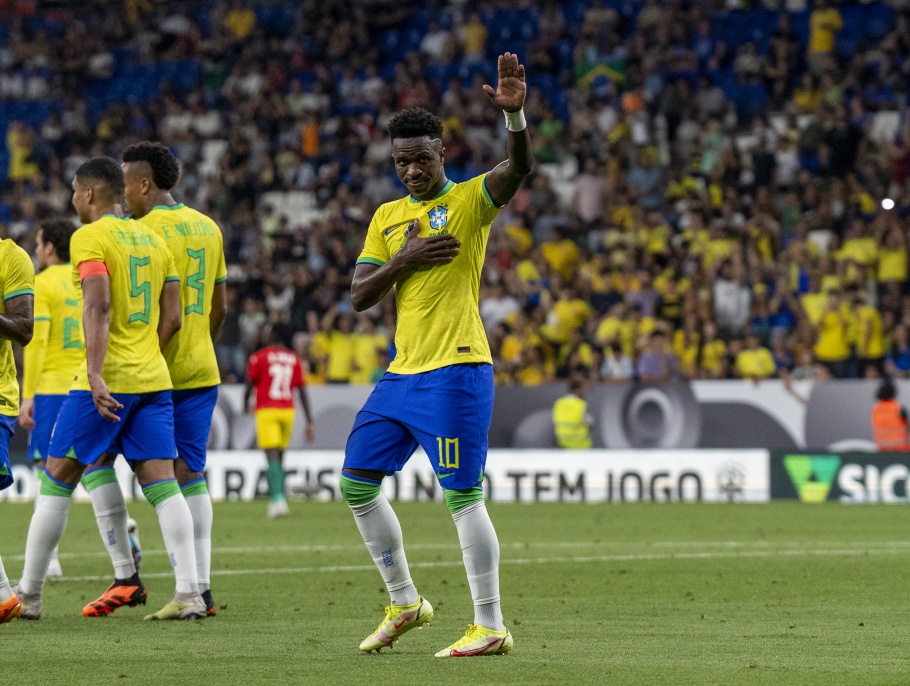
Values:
[(196, 282)]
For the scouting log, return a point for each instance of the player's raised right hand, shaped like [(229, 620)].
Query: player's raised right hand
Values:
[(440, 249)]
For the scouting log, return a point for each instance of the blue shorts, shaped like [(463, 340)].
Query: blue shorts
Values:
[(145, 430), (193, 411), (7, 429), (47, 407), (446, 411)]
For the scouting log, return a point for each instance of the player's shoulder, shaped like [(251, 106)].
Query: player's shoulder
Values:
[(9, 249), (14, 257), (392, 208)]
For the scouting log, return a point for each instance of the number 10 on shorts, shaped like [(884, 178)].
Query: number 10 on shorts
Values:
[(448, 452)]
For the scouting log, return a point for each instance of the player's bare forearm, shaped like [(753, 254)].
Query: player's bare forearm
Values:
[(219, 309), (171, 318), (371, 283), (509, 96), (96, 316), (305, 404), (247, 391), (17, 324), (505, 180)]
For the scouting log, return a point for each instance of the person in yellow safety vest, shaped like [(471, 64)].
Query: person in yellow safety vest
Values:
[(889, 421), (571, 421)]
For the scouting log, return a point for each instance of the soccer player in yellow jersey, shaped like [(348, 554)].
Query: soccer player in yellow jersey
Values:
[(56, 350), (17, 283), (150, 172), (52, 359), (122, 392), (438, 392)]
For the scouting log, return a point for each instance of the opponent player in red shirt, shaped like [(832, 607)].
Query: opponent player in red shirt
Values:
[(276, 371)]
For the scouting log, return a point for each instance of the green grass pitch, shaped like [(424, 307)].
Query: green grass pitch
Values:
[(625, 594)]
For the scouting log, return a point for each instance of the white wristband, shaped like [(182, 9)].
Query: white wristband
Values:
[(515, 121)]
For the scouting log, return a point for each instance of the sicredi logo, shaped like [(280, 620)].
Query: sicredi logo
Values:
[(812, 475)]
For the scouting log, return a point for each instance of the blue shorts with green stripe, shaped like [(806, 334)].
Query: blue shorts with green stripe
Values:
[(145, 430), (47, 407), (7, 428), (446, 411)]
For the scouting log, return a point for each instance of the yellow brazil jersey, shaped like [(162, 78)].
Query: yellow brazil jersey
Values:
[(198, 249), (17, 277), (755, 363), (367, 348), (341, 357), (875, 348), (56, 351), (892, 265), (438, 319), (139, 263), (832, 344), (712, 356)]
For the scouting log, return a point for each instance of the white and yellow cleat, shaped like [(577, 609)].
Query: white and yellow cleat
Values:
[(478, 640), (183, 606), (399, 619)]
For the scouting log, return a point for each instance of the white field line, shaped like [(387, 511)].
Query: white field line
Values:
[(702, 555), (356, 547)]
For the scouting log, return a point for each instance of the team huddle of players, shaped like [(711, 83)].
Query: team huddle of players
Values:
[(121, 361)]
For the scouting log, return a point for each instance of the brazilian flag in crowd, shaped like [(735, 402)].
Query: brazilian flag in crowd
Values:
[(595, 75)]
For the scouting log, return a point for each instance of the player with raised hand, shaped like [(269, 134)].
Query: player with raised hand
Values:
[(150, 172), (438, 392), (17, 288), (122, 392)]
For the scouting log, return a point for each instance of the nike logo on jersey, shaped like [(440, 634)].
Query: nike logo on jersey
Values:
[(445, 476), (388, 231)]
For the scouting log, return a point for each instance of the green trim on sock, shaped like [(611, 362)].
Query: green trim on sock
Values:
[(99, 477), (195, 488), (275, 476), (458, 500), (51, 487), (157, 493), (357, 492)]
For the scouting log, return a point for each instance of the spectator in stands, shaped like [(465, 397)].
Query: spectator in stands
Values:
[(658, 364), (832, 346), (732, 298), (755, 362), (825, 23), (616, 365)]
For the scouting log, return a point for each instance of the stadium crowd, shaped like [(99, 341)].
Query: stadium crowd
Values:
[(714, 196)]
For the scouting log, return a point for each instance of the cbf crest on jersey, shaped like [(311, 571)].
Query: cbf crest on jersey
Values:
[(439, 217)]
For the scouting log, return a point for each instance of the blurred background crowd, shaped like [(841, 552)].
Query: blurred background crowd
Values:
[(722, 187)]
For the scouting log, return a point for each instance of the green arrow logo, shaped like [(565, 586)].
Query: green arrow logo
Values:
[(812, 475)]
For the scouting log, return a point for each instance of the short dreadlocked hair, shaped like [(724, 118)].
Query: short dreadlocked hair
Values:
[(58, 232), (165, 167), (414, 123)]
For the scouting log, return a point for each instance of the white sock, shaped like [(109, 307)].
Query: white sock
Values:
[(201, 510), (55, 555), (177, 530), (381, 532), (480, 551), (110, 513), (5, 589), (44, 533)]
